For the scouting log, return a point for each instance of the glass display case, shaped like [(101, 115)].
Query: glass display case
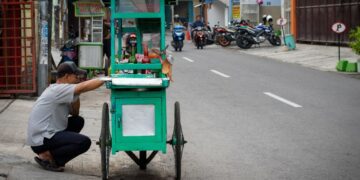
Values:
[(90, 14)]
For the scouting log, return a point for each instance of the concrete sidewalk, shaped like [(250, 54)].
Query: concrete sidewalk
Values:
[(318, 57), (16, 159)]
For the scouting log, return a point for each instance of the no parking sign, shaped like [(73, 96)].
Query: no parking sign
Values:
[(338, 27)]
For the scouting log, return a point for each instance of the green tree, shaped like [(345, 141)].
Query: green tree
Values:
[(355, 40)]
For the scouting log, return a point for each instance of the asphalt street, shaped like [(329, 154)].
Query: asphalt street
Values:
[(247, 117), (244, 117)]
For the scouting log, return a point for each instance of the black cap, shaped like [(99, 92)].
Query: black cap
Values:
[(69, 67)]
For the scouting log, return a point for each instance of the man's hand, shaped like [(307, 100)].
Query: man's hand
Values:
[(105, 78)]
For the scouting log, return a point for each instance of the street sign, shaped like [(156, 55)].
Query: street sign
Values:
[(338, 27), (259, 2), (281, 22)]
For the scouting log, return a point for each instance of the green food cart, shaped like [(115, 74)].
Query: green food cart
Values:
[(138, 100), (90, 14)]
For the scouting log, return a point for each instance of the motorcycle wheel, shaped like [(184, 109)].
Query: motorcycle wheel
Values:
[(275, 41), (181, 44), (243, 43), (223, 41)]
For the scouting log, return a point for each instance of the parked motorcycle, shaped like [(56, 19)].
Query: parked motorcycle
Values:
[(199, 37), (178, 37), (210, 36), (227, 35), (69, 50), (216, 32), (260, 34)]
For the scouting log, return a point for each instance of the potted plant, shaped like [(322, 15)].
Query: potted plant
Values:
[(355, 43)]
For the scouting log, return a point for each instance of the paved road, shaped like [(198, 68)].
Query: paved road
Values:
[(244, 117), (255, 118)]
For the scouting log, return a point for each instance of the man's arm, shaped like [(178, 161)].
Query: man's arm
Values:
[(88, 86), (75, 107)]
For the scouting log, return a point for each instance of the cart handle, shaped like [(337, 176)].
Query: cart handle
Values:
[(137, 81)]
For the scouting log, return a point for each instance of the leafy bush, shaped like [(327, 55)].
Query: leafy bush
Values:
[(355, 40)]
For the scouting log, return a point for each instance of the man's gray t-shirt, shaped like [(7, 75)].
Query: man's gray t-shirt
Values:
[(50, 113)]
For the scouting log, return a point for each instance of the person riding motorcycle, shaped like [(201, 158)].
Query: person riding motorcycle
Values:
[(198, 23), (177, 20)]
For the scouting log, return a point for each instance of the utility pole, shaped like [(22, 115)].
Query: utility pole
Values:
[(172, 17), (45, 45), (56, 26), (230, 12)]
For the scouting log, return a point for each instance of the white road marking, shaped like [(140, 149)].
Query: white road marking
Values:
[(219, 73), (188, 59), (169, 51), (283, 100)]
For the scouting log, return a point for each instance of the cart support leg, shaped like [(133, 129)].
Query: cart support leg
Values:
[(152, 155), (143, 160)]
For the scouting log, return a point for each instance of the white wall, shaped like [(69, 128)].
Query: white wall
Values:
[(217, 13)]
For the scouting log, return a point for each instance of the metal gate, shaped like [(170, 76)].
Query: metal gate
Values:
[(315, 17), (17, 47)]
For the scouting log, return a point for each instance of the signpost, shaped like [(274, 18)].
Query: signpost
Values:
[(281, 22), (338, 28)]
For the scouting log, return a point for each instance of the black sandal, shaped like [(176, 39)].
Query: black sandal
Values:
[(47, 165)]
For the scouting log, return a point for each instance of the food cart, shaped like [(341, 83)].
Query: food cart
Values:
[(137, 120), (90, 14)]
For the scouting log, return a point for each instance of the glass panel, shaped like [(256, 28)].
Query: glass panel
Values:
[(138, 120), (152, 40), (127, 6), (130, 22), (85, 29)]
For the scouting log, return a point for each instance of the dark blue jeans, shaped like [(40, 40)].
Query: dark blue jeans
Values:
[(67, 144)]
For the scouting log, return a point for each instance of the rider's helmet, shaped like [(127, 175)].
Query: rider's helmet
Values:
[(269, 19), (264, 18)]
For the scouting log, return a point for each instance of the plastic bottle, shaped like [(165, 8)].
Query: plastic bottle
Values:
[(146, 59)]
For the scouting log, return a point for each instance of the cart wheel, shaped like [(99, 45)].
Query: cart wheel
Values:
[(105, 142), (178, 141)]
